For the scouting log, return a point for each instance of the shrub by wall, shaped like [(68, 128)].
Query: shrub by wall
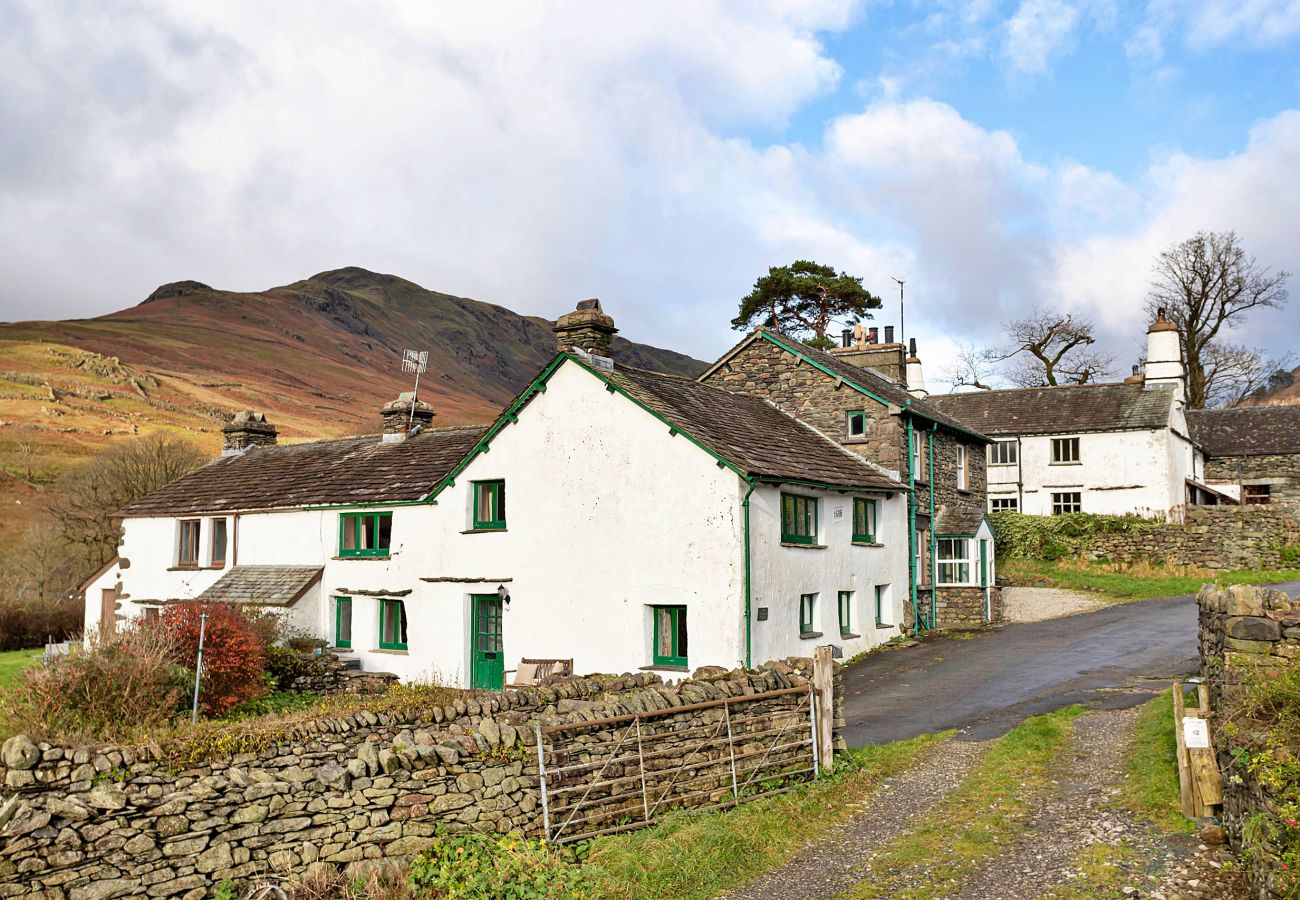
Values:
[(234, 653)]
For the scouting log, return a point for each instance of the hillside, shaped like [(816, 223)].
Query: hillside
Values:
[(320, 356), (1283, 388)]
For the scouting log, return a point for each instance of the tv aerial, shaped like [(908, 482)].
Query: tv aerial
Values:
[(417, 362)]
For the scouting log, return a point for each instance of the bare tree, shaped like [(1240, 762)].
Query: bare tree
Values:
[(88, 500), (1205, 284), (972, 367), (1234, 372), (1051, 349)]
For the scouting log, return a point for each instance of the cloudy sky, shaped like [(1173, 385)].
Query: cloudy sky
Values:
[(658, 155)]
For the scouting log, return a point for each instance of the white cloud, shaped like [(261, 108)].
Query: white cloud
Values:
[(1039, 30), (1261, 22)]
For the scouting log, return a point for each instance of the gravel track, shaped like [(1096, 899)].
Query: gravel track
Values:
[(836, 862), (1030, 604)]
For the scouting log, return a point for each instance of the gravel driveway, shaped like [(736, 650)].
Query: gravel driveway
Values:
[(1030, 604)]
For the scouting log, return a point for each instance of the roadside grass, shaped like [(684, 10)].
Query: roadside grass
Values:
[(978, 820), (702, 854), (13, 662), (1150, 785), (1137, 581), (1105, 870)]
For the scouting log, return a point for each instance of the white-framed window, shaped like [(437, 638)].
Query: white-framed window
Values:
[(1003, 453), (962, 479), (1065, 451), (953, 561), (1067, 502), (1004, 504), (884, 612), (918, 458)]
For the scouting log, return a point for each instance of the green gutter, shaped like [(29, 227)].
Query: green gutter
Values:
[(748, 577), (368, 504), (911, 528), (934, 541)]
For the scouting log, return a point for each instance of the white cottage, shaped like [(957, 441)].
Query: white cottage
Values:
[(1100, 448), (622, 518)]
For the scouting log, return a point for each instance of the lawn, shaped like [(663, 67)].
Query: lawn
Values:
[(14, 661), (1135, 582)]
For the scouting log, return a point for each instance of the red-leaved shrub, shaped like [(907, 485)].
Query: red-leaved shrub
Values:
[(234, 652)]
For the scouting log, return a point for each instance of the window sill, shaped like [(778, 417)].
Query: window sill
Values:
[(857, 439), (867, 544), (354, 558), (848, 635), (391, 652), (664, 669), (809, 635), (1010, 465), (184, 569), (966, 491), (1075, 463), (484, 531), (803, 546), (882, 627)]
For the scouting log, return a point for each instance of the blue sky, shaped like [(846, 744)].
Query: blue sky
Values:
[(1000, 156)]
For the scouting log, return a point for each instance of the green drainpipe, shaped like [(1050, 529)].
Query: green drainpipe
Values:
[(934, 542), (748, 576), (912, 574)]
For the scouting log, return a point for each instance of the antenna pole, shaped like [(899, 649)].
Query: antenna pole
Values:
[(415, 398), (902, 331)]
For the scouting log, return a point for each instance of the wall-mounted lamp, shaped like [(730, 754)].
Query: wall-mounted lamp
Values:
[(504, 594)]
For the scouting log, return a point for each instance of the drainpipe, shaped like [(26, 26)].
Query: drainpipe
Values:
[(748, 575), (912, 573), (934, 542), (1020, 478)]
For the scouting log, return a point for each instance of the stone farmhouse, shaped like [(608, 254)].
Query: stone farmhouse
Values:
[(619, 518), (1252, 453), (1101, 448)]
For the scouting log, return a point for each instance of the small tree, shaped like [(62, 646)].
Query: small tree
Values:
[(1205, 284), (803, 298), (234, 655)]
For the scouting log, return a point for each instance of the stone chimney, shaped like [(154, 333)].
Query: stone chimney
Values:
[(244, 430), (915, 380), (1165, 357), (587, 328), (398, 419)]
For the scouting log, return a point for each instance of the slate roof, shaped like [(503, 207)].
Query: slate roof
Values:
[(1066, 409), (748, 431), (262, 585), (876, 384), (1247, 430), (959, 521), (291, 476)]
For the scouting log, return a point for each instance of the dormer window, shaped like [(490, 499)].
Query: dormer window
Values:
[(365, 534)]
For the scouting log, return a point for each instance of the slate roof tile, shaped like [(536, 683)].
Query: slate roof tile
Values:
[(1066, 409), (1247, 430), (262, 585)]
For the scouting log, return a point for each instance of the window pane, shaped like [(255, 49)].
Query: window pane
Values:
[(218, 541), (343, 637), (663, 632), (385, 521), (680, 632), (368, 533), (349, 533)]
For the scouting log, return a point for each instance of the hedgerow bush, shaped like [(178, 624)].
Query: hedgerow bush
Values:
[(1021, 536), (234, 652), (122, 683), (30, 622)]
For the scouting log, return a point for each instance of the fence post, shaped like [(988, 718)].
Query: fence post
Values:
[(824, 684), (541, 781)]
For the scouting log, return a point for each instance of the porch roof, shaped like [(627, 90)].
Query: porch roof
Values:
[(262, 585)]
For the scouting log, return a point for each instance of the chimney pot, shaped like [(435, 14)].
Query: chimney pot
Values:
[(873, 336), (587, 328), (846, 337), (246, 429), (911, 347), (889, 334), (1135, 369)]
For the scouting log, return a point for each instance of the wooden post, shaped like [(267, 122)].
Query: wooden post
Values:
[(824, 686), (1184, 767), (1209, 783)]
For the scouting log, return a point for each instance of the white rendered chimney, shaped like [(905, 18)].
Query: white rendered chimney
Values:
[(1165, 357), (915, 380)]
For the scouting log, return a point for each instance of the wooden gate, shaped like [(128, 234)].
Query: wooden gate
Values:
[(621, 773)]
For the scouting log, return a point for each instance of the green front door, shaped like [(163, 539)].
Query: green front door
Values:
[(485, 638)]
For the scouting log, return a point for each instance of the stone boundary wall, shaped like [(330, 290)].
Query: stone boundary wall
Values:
[(81, 823), (326, 673), (1211, 537), (961, 607), (1243, 631)]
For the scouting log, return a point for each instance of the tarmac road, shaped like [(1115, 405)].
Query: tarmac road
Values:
[(986, 684)]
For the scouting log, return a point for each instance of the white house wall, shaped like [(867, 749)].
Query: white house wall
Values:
[(782, 573)]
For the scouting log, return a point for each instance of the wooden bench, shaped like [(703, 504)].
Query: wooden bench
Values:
[(538, 671)]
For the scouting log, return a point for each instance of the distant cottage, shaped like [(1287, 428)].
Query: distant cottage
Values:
[(1252, 453), (620, 518)]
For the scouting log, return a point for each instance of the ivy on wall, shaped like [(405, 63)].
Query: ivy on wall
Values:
[(1021, 536)]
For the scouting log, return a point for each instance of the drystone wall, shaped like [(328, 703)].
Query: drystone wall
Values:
[(963, 607), (1281, 471), (325, 673), (1247, 631), (81, 823), (1211, 537)]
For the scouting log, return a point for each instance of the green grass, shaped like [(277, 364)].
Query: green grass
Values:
[(1133, 583), (1150, 785), (978, 820), (1106, 869), (12, 662), (701, 854)]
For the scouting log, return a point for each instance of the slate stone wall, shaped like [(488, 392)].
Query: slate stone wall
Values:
[(1243, 632), (1212, 537), (963, 607), (1282, 471), (325, 673), (80, 823)]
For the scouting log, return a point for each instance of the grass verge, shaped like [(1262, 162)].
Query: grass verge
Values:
[(697, 855), (1150, 785), (978, 820), (13, 662), (1141, 581)]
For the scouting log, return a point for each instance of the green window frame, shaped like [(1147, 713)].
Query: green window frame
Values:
[(343, 622), (365, 533), (807, 612), (490, 505), (855, 425), (670, 637), (865, 514), (845, 604), (798, 519), (392, 625)]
